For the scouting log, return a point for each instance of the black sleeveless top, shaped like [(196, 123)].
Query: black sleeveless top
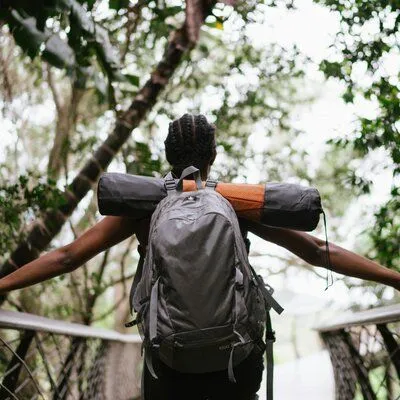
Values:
[(174, 385)]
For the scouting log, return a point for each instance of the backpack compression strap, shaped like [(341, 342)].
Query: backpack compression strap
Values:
[(269, 300), (269, 341), (136, 279)]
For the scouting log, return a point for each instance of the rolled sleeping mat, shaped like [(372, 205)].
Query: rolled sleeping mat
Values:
[(284, 205)]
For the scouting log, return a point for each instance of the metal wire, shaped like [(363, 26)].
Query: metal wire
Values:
[(23, 363), (55, 366), (84, 363)]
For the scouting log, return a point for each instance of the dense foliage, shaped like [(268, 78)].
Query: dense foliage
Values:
[(78, 100), (70, 70), (367, 60)]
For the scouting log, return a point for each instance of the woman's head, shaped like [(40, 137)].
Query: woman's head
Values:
[(190, 141)]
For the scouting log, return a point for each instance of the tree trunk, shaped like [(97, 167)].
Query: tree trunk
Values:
[(44, 229), (66, 122)]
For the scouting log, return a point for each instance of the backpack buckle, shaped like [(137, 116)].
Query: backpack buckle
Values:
[(155, 343), (211, 184), (170, 184), (239, 286), (131, 323), (269, 288), (270, 336)]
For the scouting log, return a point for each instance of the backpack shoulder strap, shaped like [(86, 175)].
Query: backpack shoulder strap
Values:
[(269, 341), (244, 233), (136, 279), (139, 269)]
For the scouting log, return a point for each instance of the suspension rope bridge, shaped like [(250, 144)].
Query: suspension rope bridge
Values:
[(41, 358)]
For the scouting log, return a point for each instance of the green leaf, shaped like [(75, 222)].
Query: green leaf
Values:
[(56, 51), (85, 37), (163, 13), (26, 34), (79, 15), (133, 79), (215, 24), (171, 11), (118, 4), (348, 95), (100, 89), (97, 38)]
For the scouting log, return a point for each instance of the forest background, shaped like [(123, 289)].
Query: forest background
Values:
[(90, 86)]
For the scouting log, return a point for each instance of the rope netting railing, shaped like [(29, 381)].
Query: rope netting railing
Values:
[(47, 359), (365, 353)]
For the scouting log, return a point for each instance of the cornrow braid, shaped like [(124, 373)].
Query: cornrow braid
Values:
[(190, 141)]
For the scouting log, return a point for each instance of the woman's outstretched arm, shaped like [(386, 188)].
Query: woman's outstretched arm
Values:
[(108, 232), (313, 251)]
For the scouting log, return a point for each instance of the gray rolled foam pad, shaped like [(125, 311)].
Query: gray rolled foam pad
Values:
[(286, 205), (129, 195)]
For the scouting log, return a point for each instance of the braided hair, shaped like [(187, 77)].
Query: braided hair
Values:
[(190, 141)]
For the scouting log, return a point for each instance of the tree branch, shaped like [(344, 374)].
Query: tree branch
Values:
[(6, 81), (116, 281), (53, 89), (91, 299), (110, 310), (131, 26), (67, 112), (125, 255), (39, 238)]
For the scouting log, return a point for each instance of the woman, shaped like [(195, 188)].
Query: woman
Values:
[(191, 141)]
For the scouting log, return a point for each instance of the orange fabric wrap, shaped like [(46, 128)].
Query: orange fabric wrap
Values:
[(247, 200)]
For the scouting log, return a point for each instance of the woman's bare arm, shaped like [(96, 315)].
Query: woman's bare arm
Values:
[(313, 251), (108, 232)]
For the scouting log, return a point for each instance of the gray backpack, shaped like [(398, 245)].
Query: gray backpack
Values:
[(200, 306)]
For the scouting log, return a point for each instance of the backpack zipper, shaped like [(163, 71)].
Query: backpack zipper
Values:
[(204, 343)]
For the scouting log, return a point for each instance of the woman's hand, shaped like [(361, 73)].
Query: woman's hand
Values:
[(313, 251)]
